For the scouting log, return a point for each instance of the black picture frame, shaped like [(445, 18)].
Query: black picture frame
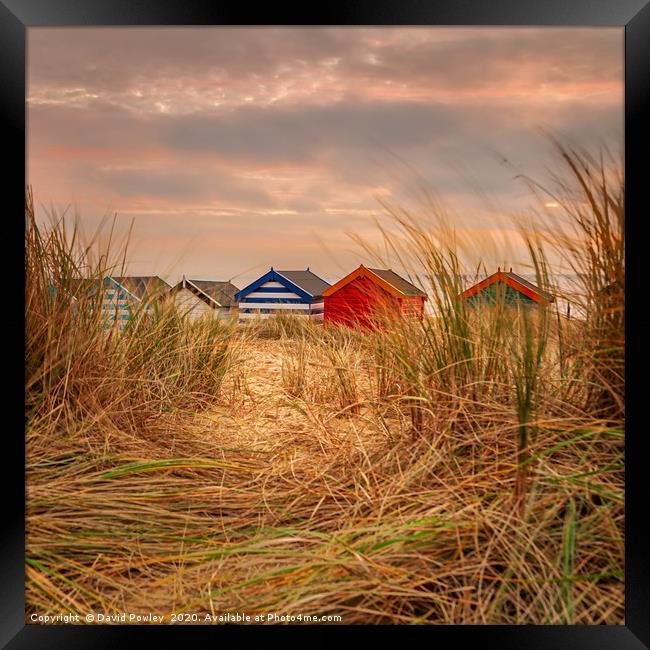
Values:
[(18, 15)]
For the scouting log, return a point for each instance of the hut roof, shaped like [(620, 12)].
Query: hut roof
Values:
[(213, 292), (221, 291), (529, 285), (397, 281), (143, 286), (84, 287), (307, 281), (386, 278), (513, 280)]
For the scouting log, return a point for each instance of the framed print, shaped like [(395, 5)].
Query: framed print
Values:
[(324, 321)]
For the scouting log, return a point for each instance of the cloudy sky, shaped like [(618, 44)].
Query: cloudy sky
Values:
[(236, 149)]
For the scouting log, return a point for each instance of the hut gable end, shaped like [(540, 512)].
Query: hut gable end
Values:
[(282, 292), (198, 298), (514, 288)]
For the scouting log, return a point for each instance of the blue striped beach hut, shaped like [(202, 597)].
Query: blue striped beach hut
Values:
[(118, 302), (124, 296), (120, 297), (283, 292)]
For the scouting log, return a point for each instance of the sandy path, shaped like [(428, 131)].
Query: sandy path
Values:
[(258, 407), (259, 415)]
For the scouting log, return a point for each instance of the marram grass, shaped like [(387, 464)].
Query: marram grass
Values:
[(466, 468)]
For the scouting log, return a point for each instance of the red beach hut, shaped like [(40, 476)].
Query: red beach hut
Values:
[(365, 295)]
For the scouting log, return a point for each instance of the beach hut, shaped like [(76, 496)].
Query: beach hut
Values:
[(75, 291), (123, 296), (81, 288), (365, 295), (283, 292), (120, 297), (198, 298), (508, 286), (118, 303)]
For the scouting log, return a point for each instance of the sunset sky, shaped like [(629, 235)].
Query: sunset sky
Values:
[(236, 149)]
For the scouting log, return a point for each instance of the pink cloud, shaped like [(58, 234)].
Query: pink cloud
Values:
[(250, 141)]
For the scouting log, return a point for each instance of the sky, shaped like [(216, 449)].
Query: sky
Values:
[(236, 149)]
